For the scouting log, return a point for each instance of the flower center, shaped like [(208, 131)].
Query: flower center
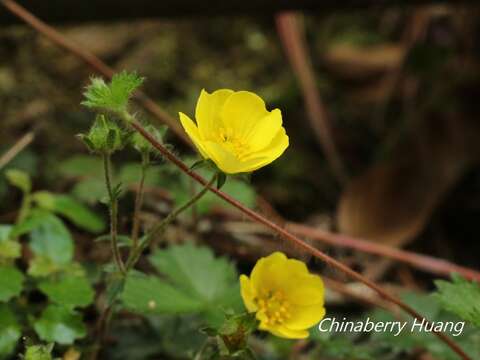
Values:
[(275, 307), (235, 144)]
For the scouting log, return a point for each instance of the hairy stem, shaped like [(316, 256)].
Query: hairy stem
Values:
[(113, 214), (160, 227), (139, 201)]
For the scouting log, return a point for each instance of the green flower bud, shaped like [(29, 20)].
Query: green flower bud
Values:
[(105, 136), (140, 144)]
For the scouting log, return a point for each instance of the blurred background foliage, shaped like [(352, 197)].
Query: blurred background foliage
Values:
[(400, 91)]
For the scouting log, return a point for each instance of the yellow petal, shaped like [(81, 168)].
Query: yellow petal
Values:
[(242, 112), (192, 132), (304, 317), (284, 332), (273, 150), (280, 274), (308, 291), (264, 131), (261, 275), (227, 161), (248, 293), (207, 112)]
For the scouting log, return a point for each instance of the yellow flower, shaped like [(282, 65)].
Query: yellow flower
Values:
[(235, 130), (287, 299)]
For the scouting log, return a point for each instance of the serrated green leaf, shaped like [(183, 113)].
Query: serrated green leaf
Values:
[(10, 331), (196, 272), (11, 282), (60, 324), (150, 295), (20, 179), (74, 211), (51, 239), (113, 96), (460, 297), (69, 290)]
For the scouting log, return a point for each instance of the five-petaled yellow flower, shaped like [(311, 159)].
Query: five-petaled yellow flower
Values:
[(236, 131), (287, 299)]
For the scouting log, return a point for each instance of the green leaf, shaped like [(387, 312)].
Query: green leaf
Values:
[(51, 239), (196, 272), (39, 352), (41, 266), (5, 232), (9, 249), (221, 179), (74, 211), (60, 324), (81, 166), (90, 190), (34, 219), (20, 179), (10, 331), (11, 282), (150, 295), (460, 297), (113, 96), (69, 290)]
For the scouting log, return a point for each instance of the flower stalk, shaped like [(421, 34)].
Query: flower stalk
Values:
[(113, 206), (160, 227), (139, 200)]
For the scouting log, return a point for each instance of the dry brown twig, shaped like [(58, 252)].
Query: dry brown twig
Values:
[(419, 261), (291, 35), (95, 62), (21, 144)]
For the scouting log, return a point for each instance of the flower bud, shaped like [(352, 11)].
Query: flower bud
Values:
[(105, 136)]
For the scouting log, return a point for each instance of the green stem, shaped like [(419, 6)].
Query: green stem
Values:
[(139, 201), (137, 252), (25, 207), (113, 214)]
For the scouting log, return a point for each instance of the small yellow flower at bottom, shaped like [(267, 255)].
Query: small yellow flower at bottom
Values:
[(236, 131), (286, 298)]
